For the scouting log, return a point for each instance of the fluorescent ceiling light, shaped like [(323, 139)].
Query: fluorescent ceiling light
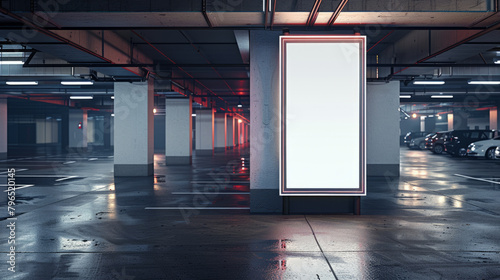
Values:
[(77, 83), (405, 96), (483, 82), (81, 97), (428, 82), (441, 96), (22, 83), (193, 115), (112, 115), (11, 62), (239, 105), (113, 97)]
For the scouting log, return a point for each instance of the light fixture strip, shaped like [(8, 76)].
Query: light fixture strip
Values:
[(77, 83), (11, 62), (483, 82), (81, 97), (22, 83), (428, 82), (441, 96)]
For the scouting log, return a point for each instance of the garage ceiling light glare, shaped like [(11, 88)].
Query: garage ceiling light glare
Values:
[(496, 60), (239, 103), (113, 97), (81, 97), (441, 96), (11, 62), (77, 83), (414, 115), (22, 83), (483, 82), (405, 96), (428, 82)]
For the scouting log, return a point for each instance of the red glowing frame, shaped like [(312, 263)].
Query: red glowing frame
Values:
[(357, 184)]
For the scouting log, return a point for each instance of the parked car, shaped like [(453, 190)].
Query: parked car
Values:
[(484, 148), (436, 143), (412, 135), (419, 143), (497, 153), (457, 142)]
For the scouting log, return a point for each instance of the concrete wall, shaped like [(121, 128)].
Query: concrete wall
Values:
[(159, 136), (47, 131), (382, 129), (77, 136)]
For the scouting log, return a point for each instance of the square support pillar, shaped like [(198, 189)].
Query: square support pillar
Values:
[(3, 128), (78, 130), (205, 132), (134, 129), (265, 129), (220, 132), (494, 118), (229, 131), (382, 129), (178, 131), (236, 131)]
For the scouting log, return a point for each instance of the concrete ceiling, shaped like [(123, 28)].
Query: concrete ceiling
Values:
[(202, 46)]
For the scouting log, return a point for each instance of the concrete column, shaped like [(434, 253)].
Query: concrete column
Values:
[(242, 132), (77, 129), (450, 121), (265, 136), (382, 129), (3, 128), (134, 129), (494, 118), (229, 131), (178, 131), (220, 132), (460, 119), (248, 132), (204, 132), (236, 129)]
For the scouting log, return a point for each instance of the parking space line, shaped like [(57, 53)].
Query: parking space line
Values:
[(216, 193), (69, 162), (197, 208), (477, 179), (17, 170), (220, 182), (66, 178), (91, 159), (18, 187)]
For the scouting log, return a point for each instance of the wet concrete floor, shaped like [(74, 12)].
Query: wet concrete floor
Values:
[(439, 220)]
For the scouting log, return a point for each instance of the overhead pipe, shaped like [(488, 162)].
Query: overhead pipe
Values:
[(463, 41), (56, 36), (313, 15), (204, 12), (175, 64), (337, 12)]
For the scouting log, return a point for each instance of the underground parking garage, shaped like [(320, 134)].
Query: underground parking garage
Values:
[(249, 139)]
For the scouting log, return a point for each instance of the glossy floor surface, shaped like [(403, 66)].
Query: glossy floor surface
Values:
[(439, 220)]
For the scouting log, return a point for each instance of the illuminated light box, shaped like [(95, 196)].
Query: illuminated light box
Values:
[(322, 147)]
